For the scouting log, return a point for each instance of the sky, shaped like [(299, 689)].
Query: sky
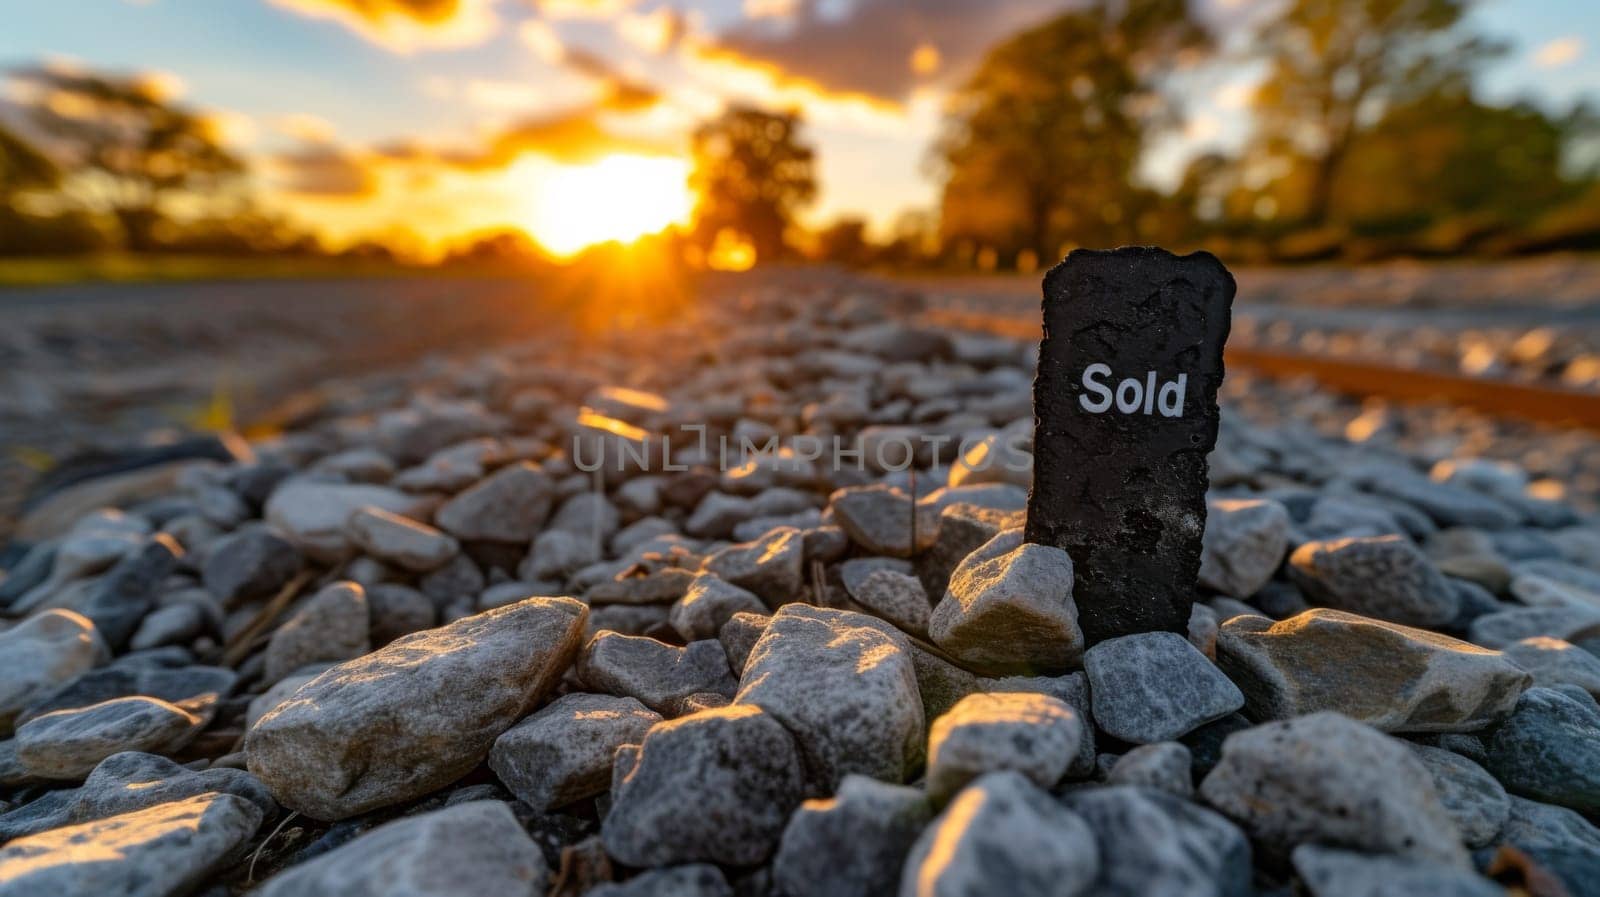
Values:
[(447, 116)]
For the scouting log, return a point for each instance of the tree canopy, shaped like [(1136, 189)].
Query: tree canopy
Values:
[(753, 171)]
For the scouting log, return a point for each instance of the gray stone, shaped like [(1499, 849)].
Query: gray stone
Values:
[(254, 562), (1155, 686), (715, 787), (1552, 661), (855, 571), (559, 553), (313, 514), (1072, 688), (880, 519), (163, 851), (1327, 872), (771, 566), (401, 541), (1202, 630), (658, 674), (942, 683), (125, 783), (331, 626), (1329, 779), (412, 434), (174, 624), (563, 753), (844, 684), (587, 514), (852, 844), (455, 585), (689, 880), (396, 610), (1164, 765), (264, 703), (1002, 835), (708, 606), (1448, 505), (1383, 576), (363, 465), (1121, 486), (1009, 610), (1535, 590), (1549, 750), (1472, 797), (1154, 843), (896, 597), (1032, 734), (415, 715), (1245, 541), (118, 601), (472, 849), (716, 515), (963, 529), (1531, 825), (509, 506), (636, 586), (1499, 630), (69, 744), (197, 687), (1392, 677), (739, 636), (41, 654)]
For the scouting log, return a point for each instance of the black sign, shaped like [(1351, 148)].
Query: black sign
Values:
[(1125, 412)]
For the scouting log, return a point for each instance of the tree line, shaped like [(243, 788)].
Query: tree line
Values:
[(1369, 137)]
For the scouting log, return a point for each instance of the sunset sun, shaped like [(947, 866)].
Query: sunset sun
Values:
[(616, 197)]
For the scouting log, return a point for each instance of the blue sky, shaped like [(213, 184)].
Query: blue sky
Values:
[(292, 76)]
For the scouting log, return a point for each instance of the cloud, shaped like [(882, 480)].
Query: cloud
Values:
[(582, 9), (406, 25), (654, 32), (538, 36), (573, 137), (875, 48), (770, 9), (1558, 52), (324, 171), (486, 93), (305, 127)]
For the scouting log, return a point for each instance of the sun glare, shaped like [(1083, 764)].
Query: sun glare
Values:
[(616, 197)]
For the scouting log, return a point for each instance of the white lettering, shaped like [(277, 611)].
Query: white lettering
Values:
[(1174, 391), (1132, 396), (1099, 389)]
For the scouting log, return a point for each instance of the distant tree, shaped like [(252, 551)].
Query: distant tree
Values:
[(127, 151), (27, 173), (23, 167), (752, 172), (1334, 66), (1451, 158), (1041, 144), (844, 242)]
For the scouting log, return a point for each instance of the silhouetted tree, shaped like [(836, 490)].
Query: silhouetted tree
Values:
[(1041, 144), (752, 172), (1335, 65), (844, 242), (23, 167), (126, 150)]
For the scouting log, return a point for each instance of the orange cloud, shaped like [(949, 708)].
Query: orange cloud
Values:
[(582, 9), (324, 171), (881, 49), (1558, 52), (406, 25)]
